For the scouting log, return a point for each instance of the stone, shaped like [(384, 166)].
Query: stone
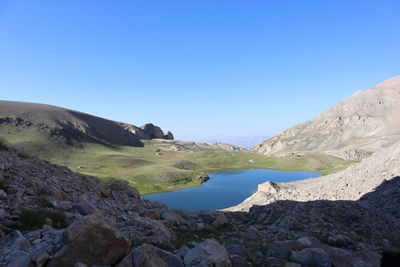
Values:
[(168, 136), (153, 131), (172, 217), (208, 253), (3, 195), (91, 240), (20, 259), (52, 192), (16, 241), (149, 230), (236, 249), (183, 251), (311, 257), (214, 218), (203, 178), (124, 186), (238, 261), (148, 256), (338, 240), (84, 208), (268, 187), (41, 259)]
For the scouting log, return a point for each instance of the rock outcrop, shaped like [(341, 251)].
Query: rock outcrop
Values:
[(74, 126), (91, 240), (148, 132), (177, 146), (366, 121), (208, 253)]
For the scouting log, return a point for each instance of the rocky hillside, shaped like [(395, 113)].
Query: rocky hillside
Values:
[(350, 184), (51, 216), (72, 126), (175, 145), (364, 122)]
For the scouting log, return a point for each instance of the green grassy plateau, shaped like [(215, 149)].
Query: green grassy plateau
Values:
[(151, 171)]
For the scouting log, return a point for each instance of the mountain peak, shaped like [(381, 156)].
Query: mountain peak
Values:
[(364, 122), (393, 83)]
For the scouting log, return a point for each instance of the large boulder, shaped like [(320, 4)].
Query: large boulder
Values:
[(169, 136), (124, 186), (152, 131), (149, 256), (268, 187), (213, 218), (149, 230), (91, 240), (206, 254), (311, 257)]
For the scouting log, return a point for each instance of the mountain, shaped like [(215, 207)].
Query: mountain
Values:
[(72, 126), (364, 122)]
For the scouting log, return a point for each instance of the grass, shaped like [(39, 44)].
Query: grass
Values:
[(3, 144), (32, 219), (150, 171)]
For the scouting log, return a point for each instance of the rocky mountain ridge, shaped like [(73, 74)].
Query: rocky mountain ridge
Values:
[(75, 126), (364, 122)]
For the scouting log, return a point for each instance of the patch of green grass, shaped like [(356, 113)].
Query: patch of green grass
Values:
[(3, 186), (3, 144), (32, 219)]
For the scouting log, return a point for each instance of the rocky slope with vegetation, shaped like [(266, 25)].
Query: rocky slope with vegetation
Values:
[(51, 216), (364, 122)]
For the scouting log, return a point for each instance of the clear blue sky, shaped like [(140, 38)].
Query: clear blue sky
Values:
[(202, 68)]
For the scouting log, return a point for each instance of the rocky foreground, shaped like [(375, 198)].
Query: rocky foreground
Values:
[(51, 216)]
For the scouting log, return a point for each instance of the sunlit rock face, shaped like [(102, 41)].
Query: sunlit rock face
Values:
[(367, 120)]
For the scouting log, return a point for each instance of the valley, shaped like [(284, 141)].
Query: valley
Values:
[(151, 171)]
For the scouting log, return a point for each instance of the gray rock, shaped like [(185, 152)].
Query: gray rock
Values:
[(16, 241), (91, 240), (149, 256), (238, 261), (3, 194), (85, 208), (149, 230), (208, 253), (236, 249), (41, 259), (338, 240), (214, 218), (20, 259), (311, 257), (183, 251), (124, 186)]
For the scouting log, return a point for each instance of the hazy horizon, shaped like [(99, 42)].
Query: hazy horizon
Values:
[(207, 71)]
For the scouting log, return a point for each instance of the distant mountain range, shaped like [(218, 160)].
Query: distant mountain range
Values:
[(240, 141), (362, 123)]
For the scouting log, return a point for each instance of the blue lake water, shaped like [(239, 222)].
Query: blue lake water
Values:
[(225, 189)]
